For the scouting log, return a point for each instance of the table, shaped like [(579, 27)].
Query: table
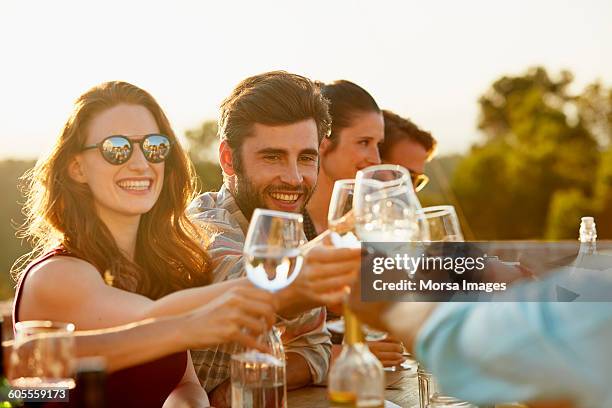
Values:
[(402, 389)]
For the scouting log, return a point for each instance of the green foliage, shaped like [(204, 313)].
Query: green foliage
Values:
[(566, 209), (537, 163)]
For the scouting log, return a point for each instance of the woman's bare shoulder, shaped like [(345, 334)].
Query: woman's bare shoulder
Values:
[(61, 274)]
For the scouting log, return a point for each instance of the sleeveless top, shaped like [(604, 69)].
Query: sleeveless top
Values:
[(144, 385)]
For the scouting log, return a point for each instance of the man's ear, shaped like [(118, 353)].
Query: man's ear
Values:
[(225, 159), (75, 170)]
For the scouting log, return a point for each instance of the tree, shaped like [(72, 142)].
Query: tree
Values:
[(535, 145)]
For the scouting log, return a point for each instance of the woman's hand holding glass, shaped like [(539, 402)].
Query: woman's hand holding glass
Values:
[(241, 315)]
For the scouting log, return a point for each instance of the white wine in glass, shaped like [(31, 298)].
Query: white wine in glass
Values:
[(272, 259), (272, 255), (442, 223)]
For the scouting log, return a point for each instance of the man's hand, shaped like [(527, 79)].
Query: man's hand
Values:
[(388, 351), (370, 313), (325, 276)]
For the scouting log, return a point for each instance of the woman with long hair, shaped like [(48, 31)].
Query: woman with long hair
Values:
[(112, 245)]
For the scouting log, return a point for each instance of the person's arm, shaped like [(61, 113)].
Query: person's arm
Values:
[(511, 351), (298, 371), (189, 393), (219, 321), (90, 303), (308, 348), (325, 273)]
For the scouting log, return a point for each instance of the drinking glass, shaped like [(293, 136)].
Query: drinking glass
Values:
[(443, 223), (430, 395), (272, 259), (43, 355), (386, 207)]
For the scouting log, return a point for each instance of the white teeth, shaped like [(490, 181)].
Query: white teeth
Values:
[(135, 184), (285, 197)]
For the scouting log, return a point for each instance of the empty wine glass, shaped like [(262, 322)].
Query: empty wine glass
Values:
[(43, 355), (443, 223), (386, 207)]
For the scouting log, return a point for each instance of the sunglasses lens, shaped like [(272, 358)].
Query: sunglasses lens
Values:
[(156, 148), (116, 149)]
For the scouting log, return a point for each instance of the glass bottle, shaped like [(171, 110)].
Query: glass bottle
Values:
[(356, 378), (588, 236), (91, 383)]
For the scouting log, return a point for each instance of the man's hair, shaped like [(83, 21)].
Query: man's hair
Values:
[(346, 100), (398, 128), (272, 98)]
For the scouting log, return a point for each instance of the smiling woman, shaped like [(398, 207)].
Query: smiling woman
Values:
[(106, 213)]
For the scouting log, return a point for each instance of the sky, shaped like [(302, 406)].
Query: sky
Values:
[(426, 60)]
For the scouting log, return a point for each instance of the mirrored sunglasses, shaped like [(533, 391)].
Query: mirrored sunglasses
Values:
[(118, 149)]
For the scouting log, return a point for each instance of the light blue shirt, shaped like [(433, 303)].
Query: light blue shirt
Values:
[(522, 351)]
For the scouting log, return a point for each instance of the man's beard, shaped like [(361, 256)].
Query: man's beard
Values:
[(249, 198)]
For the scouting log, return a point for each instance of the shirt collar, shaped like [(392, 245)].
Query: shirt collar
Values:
[(227, 201)]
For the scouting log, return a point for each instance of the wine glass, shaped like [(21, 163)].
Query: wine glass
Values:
[(43, 355), (340, 217), (443, 223), (386, 206), (273, 258)]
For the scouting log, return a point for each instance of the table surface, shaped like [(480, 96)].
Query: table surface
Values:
[(404, 392)]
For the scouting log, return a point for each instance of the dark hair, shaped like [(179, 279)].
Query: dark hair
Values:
[(346, 99), (272, 98), (398, 128), (60, 211)]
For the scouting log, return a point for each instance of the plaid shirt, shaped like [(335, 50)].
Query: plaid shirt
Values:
[(305, 335)]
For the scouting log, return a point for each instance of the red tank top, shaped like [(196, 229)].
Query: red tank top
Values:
[(145, 385)]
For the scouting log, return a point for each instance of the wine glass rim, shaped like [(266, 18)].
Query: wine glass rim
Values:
[(344, 182), (379, 167), (280, 214), (437, 210)]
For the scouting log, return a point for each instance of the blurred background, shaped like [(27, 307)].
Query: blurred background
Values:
[(518, 94)]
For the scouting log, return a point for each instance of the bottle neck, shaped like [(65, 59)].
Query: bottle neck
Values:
[(352, 328)]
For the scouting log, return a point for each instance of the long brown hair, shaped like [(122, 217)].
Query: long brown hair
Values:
[(60, 211)]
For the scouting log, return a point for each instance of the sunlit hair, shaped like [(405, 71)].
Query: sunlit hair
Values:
[(272, 98), (60, 211), (398, 128)]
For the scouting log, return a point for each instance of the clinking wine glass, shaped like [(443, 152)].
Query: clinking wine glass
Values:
[(387, 210), (341, 221), (386, 207), (443, 223), (272, 259)]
